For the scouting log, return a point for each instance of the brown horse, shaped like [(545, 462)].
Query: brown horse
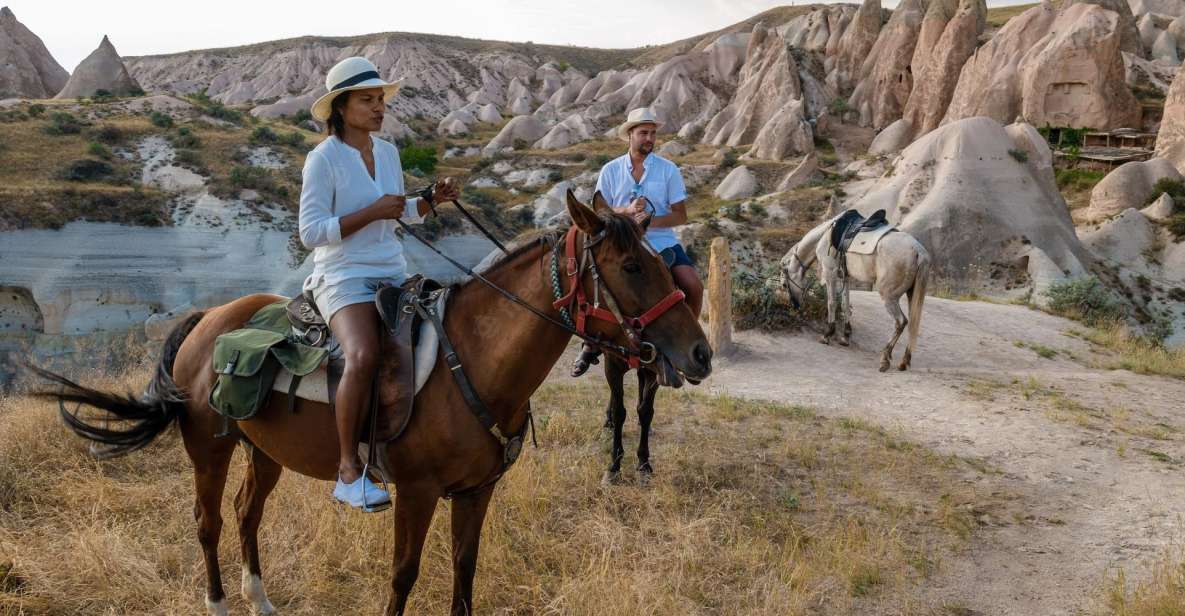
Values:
[(444, 451)]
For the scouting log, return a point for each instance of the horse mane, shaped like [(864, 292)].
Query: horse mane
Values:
[(620, 229)]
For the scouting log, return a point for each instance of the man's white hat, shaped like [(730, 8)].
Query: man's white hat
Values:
[(641, 115), (355, 73)]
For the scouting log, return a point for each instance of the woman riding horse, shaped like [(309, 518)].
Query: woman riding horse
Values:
[(352, 192)]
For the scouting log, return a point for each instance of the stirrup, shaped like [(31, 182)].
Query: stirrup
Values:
[(585, 361)]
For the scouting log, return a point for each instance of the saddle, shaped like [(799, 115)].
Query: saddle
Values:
[(850, 224), (295, 329)]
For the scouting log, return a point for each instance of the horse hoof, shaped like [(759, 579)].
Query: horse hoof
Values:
[(825, 340), (884, 367), (844, 342), (611, 478)]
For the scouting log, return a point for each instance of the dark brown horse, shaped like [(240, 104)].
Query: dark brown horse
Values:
[(648, 382), (507, 354)]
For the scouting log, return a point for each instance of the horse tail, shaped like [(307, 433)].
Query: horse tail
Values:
[(149, 414), (917, 295)]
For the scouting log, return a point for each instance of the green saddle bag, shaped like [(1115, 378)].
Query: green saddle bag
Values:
[(247, 361)]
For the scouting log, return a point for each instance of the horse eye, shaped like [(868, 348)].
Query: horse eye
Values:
[(631, 267)]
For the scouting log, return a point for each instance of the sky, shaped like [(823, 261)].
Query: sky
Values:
[(143, 27)]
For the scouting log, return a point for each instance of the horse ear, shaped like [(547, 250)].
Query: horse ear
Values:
[(585, 219), (599, 203)]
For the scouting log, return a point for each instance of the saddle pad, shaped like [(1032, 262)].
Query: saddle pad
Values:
[(865, 241), (315, 386)]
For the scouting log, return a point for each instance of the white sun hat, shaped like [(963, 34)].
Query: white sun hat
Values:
[(355, 73), (641, 115)]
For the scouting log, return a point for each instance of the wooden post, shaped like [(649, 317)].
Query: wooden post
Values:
[(720, 298)]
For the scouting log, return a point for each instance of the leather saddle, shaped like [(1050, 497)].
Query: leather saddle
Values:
[(395, 384), (850, 224)]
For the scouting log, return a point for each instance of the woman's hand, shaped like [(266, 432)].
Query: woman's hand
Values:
[(390, 207), (445, 190)]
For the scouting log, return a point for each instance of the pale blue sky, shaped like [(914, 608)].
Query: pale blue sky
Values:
[(72, 29)]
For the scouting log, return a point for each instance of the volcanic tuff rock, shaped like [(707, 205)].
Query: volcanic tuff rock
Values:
[(885, 79), (1129, 186), (944, 45), (102, 70), (26, 67), (959, 191), (1170, 140), (766, 109), (1059, 67)]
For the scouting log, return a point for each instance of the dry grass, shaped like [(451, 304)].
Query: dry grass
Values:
[(1163, 594), (755, 509), (1135, 353), (998, 16)]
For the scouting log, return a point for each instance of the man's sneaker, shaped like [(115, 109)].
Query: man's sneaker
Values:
[(362, 494), (587, 358)]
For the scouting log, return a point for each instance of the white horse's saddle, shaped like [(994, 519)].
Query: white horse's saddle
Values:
[(315, 386), (865, 241)]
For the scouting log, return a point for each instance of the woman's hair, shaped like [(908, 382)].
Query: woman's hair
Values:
[(336, 124)]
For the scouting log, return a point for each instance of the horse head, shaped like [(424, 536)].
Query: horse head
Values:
[(636, 285), (793, 277)]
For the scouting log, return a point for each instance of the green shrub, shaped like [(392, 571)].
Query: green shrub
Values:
[(63, 123), (162, 120), (555, 176), (1176, 226), (598, 161), (36, 109), (255, 178), (87, 170), (136, 91), (521, 144), (102, 96), (263, 134), (729, 160), (758, 303), (1174, 188), (418, 157), (1085, 299), (94, 148), (108, 134), (300, 117), (191, 159), (838, 106), (294, 139), (185, 138), (1019, 156), (1077, 179)]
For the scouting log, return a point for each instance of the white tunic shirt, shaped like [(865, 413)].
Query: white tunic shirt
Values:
[(661, 184), (336, 184)]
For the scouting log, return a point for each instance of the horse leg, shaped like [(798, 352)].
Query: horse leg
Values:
[(413, 516), (262, 475), (845, 309), (894, 308), (829, 288), (647, 389), (469, 512), (615, 376), (211, 459)]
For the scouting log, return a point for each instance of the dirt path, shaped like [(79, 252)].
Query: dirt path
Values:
[(1091, 456)]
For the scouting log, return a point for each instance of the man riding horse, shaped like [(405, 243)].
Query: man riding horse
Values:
[(351, 196), (644, 185)]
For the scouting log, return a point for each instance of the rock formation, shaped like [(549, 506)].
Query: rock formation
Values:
[(27, 69), (1129, 186), (1059, 67), (524, 128), (766, 110), (1170, 140), (990, 217), (103, 70), (943, 47), (738, 184), (885, 78)]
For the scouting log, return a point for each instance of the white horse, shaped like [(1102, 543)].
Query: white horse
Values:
[(898, 266)]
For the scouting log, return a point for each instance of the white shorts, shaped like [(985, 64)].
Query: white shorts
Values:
[(331, 298)]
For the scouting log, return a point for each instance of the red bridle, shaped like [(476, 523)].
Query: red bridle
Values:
[(577, 302)]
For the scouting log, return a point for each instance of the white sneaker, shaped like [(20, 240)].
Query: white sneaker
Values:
[(362, 494)]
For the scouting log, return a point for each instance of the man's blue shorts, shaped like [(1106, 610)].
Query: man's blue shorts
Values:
[(675, 256)]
